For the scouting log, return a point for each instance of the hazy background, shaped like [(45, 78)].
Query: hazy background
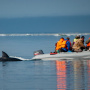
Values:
[(44, 16)]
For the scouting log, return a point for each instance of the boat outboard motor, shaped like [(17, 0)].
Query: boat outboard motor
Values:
[(38, 52)]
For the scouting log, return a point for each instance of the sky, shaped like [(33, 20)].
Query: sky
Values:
[(39, 8)]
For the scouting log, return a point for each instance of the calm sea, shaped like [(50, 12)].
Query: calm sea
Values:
[(40, 75)]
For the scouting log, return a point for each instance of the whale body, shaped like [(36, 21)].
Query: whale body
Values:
[(5, 57)]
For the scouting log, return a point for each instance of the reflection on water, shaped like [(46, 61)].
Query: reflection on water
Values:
[(73, 75), (79, 75), (45, 75), (88, 74), (61, 75)]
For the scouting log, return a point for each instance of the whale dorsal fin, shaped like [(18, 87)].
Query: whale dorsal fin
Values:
[(4, 55)]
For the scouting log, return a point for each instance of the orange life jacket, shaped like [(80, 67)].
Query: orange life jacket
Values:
[(59, 43), (64, 44), (88, 44)]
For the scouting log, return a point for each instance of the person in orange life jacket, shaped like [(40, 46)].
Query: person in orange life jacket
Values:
[(58, 45), (66, 45), (88, 44)]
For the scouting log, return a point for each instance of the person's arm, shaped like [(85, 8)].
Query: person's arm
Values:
[(87, 41), (81, 44)]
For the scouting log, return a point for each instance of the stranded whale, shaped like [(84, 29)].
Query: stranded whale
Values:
[(5, 57)]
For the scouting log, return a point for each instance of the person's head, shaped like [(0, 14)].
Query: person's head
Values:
[(83, 37), (68, 38), (61, 38), (77, 37)]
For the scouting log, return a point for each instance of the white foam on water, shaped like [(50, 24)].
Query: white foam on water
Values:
[(20, 58), (48, 34)]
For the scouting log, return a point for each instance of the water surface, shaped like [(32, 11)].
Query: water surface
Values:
[(45, 75)]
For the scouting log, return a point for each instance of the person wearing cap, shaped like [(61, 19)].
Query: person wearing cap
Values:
[(76, 38), (79, 45), (88, 44), (66, 45)]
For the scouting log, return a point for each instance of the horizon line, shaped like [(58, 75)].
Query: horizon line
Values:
[(41, 16)]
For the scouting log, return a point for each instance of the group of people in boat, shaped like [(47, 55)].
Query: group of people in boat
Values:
[(65, 45)]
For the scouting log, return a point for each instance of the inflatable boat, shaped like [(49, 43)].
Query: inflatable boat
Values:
[(39, 55)]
